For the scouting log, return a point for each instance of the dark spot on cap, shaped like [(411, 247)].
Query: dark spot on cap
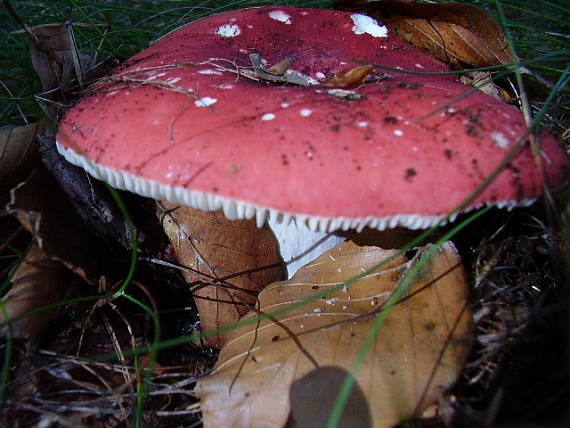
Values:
[(448, 153), (284, 159), (390, 119), (275, 338), (471, 129), (410, 173), (335, 127), (409, 85)]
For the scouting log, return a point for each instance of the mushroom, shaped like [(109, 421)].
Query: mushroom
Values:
[(197, 119)]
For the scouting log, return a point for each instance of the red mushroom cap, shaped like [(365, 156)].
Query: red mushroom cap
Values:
[(187, 120)]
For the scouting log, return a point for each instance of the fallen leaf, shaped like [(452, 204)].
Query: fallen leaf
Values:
[(228, 262), (55, 57), (273, 74), (59, 64), (263, 377), (39, 281), (349, 77), (18, 153), (456, 33), (483, 81), (41, 207)]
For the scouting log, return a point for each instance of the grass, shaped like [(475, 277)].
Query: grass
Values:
[(113, 31)]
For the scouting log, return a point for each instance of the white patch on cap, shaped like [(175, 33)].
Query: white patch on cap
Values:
[(280, 16), (209, 71), (362, 124), (305, 112), (284, 105), (228, 30), (341, 93), (268, 116), (500, 140), (205, 102), (320, 75), (366, 25), (398, 132)]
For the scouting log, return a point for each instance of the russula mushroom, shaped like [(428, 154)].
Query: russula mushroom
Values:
[(194, 119)]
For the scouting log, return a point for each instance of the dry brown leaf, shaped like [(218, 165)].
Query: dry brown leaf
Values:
[(55, 57), (263, 377), (456, 33), (215, 248), (41, 207), (349, 77), (38, 282), (483, 81), (59, 64), (18, 153)]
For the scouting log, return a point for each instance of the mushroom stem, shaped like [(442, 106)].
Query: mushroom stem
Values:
[(298, 245)]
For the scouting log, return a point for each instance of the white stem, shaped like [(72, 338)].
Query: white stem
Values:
[(299, 246)]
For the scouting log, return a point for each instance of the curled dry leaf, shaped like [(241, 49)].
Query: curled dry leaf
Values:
[(59, 64), (38, 282), (456, 33), (349, 77), (263, 377), (18, 153), (55, 57), (228, 262)]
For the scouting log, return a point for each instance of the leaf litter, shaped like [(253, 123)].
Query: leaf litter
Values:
[(417, 355), (31, 370)]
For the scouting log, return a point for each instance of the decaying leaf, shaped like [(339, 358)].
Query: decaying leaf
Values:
[(279, 73), (456, 33), (264, 378), (18, 153), (483, 81), (55, 56), (38, 282), (349, 77), (43, 210), (281, 67), (228, 262), (59, 64)]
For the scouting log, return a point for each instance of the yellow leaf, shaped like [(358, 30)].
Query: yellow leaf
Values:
[(263, 376), (228, 262)]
